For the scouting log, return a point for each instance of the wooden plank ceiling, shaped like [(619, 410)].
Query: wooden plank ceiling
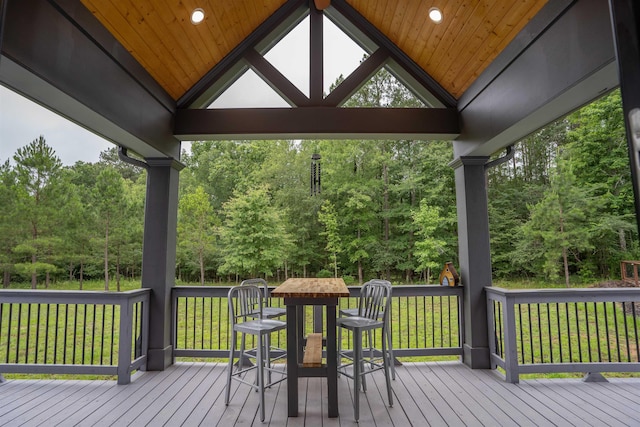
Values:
[(160, 35)]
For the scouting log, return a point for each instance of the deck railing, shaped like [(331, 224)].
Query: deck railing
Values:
[(425, 321), (69, 332), (564, 330)]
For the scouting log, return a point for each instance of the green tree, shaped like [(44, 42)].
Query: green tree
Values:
[(110, 206), (429, 247), (328, 218), (38, 172), (11, 229), (253, 236), (197, 225), (559, 226)]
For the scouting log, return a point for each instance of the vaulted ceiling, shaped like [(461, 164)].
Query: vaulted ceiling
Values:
[(178, 54)]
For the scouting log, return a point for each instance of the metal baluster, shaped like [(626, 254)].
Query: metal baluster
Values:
[(579, 334), (540, 333), (55, 342), (415, 303), (26, 350), (559, 333), (635, 329), (449, 317), (522, 360), (18, 332), (84, 335), (595, 313), (606, 325), (615, 320), (549, 331), (566, 312), (433, 322), (75, 330), (46, 334), (93, 333), (626, 330), (586, 319), (530, 333), (38, 319), (113, 328), (498, 306), (441, 327)]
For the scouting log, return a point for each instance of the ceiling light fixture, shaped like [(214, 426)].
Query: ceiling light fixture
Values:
[(197, 16), (435, 15)]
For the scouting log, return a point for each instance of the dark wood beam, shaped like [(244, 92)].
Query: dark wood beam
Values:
[(317, 122), (401, 58), (213, 83), (276, 80), (357, 78), (316, 56)]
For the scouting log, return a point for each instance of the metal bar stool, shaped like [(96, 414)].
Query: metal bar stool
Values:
[(245, 311), (373, 310), (350, 312), (267, 311)]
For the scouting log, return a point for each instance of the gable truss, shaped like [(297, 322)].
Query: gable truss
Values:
[(316, 115)]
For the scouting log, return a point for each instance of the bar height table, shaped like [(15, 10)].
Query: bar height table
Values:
[(297, 293)]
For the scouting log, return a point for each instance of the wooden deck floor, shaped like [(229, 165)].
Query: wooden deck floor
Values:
[(191, 394)]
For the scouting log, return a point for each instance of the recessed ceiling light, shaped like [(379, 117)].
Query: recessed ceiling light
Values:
[(197, 16), (435, 15)]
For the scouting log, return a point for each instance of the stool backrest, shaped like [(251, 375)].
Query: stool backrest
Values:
[(245, 302), (375, 298)]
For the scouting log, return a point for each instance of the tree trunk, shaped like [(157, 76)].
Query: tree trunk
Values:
[(286, 270), (360, 274), (47, 280), (118, 270), (34, 277), (70, 271), (81, 274), (6, 279), (201, 262), (623, 240), (335, 265), (566, 267)]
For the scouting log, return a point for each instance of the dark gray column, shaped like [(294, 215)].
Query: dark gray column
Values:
[(159, 256), (475, 256), (625, 17)]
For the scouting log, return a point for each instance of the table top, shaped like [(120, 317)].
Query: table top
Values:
[(311, 288)]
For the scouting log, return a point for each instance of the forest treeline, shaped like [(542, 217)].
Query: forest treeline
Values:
[(562, 206)]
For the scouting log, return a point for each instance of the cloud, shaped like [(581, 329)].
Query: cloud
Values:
[(22, 121)]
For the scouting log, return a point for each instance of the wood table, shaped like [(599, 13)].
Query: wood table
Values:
[(297, 293)]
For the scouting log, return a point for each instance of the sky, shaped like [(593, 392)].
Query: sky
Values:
[(22, 121)]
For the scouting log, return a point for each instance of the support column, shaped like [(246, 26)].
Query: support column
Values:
[(625, 18), (475, 256), (159, 256)]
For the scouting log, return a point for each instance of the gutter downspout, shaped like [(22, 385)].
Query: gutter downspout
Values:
[(500, 160), (122, 155)]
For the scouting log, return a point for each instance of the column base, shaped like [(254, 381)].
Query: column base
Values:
[(159, 359), (476, 357)]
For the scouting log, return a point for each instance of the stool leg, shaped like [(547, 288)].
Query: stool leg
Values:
[(385, 361), (267, 356), (390, 350), (260, 367), (227, 393), (357, 359)]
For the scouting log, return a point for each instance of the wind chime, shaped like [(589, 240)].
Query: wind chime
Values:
[(315, 174)]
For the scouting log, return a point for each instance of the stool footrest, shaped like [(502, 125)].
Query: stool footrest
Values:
[(313, 351)]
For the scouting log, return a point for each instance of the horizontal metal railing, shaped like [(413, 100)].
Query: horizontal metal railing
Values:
[(69, 332), (564, 330), (425, 320)]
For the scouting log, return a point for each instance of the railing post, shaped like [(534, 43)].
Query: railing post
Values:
[(510, 344), (145, 332), (124, 344), (491, 320)]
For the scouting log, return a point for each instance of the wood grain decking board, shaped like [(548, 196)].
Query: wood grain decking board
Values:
[(425, 394)]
